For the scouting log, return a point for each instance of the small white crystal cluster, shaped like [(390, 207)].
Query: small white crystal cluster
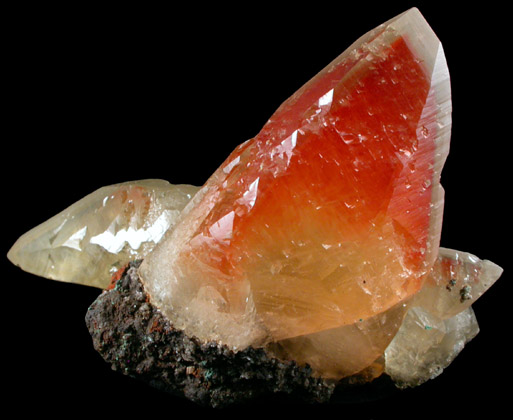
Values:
[(440, 320)]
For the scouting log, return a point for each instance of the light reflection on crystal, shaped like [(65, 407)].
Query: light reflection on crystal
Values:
[(74, 240), (102, 232), (227, 169), (222, 229), (326, 99), (249, 197), (114, 242)]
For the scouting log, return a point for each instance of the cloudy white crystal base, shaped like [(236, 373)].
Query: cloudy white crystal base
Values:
[(440, 319)]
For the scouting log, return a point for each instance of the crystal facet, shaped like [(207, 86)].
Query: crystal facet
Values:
[(87, 242), (426, 344), (457, 280), (331, 215)]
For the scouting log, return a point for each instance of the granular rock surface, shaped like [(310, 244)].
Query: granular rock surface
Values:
[(137, 340)]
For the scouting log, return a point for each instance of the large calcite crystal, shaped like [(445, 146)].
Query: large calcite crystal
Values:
[(93, 238), (323, 226)]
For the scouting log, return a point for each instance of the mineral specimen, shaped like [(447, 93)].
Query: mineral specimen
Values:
[(321, 227), (90, 240), (308, 260)]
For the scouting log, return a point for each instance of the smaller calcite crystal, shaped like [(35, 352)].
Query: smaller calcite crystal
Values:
[(440, 320), (457, 280), (425, 345), (90, 240), (343, 351)]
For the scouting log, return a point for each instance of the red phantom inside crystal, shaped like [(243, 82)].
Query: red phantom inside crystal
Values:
[(331, 215)]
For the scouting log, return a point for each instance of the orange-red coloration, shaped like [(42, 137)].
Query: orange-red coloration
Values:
[(328, 181), (331, 215), (115, 277)]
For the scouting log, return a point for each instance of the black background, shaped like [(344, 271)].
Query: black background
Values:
[(94, 97)]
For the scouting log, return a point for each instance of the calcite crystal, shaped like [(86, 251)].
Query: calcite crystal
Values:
[(311, 253), (440, 320), (93, 238), (326, 220)]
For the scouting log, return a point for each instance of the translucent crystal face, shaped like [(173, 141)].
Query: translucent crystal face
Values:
[(440, 320), (87, 242), (331, 214)]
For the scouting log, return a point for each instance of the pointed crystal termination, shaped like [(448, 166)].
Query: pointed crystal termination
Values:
[(440, 320), (102, 232), (330, 216), (457, 280)]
